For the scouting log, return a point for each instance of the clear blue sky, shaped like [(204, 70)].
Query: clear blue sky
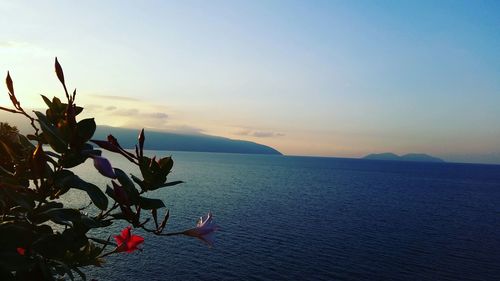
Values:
[(330, 78)]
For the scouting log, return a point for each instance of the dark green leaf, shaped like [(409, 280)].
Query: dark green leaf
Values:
[(58, 215), (12, 261), (86, 129), (167, 184), (45, 246), (166, 164), (95, 193), (149, 203), (47, 101), (128, 185), (78, 110), (138, 181), (51, 134), (90, 222), (110, 192)]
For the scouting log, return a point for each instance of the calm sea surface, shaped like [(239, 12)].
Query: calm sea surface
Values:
[(306, 218)]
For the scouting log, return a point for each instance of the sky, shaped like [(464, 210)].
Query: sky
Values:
[(320, 78)]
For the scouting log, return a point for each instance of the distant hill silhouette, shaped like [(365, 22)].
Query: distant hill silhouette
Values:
[(183, 142), (416, 157)]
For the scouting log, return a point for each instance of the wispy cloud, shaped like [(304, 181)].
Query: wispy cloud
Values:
[(156, 115), (13, 44), (128, 115), (129, 112), (25, 48), (185, 129), (259, 134), (112, 97)]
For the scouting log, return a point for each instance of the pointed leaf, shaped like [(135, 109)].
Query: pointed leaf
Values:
[(167, 184), (128, 185), (47, 101), (149, 203), (51, 134), (86, 129), (95, 193), (58, 215)]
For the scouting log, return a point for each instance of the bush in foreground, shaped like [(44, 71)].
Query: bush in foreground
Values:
[(41, 238)]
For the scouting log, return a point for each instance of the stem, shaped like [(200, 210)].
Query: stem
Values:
[(155, 232), (66, 92), (172, 233), (9, 110), (108, 253), (108, 211)]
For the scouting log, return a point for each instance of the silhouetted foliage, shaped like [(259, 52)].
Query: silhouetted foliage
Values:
[(41, 238)]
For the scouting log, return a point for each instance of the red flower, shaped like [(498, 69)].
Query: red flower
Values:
[(21, 251), (128, 242)]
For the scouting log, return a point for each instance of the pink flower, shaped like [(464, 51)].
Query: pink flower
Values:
[(103, 166), (204, 230), (128, 242)]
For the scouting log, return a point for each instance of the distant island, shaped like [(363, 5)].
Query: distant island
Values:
[(184, 142), (415, 157)]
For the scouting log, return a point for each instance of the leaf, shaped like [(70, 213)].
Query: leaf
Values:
[(110, 192), (139, 182), (13, 261), (24, 200), (86, 129), (72, 159), (46, 246), (149, 203), (167, 184), (95, 193), (128, 185), (78, 110), (91, 223), (14, 233), (58, 215), (166, 164), (51, 134), (47, 101), (106, 145)]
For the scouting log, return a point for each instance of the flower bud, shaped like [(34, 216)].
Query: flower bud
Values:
[(59, 72), (141, 139), (120, 194), (103, 166), (9, 83)]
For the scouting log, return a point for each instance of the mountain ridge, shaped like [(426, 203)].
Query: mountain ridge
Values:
[(157, 140), (410, 157)]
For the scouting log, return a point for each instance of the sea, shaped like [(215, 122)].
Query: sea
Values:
[(312, 218)]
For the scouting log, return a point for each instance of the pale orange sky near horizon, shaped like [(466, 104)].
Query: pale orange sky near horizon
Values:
[(325, 79)]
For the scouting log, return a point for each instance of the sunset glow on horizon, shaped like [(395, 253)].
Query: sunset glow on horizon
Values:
[(322, 78)]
